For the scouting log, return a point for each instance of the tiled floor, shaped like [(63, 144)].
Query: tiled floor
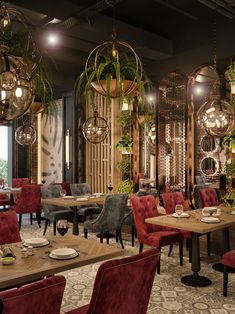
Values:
[(169, 295)]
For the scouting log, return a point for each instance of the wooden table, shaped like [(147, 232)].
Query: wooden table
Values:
[(73, 203), (194, 224), (11, 192), (40, 264)]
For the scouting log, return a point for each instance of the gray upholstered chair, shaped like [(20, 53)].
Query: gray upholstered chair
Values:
[(110, 218), (84, 210), (129, 219), (53, 212)]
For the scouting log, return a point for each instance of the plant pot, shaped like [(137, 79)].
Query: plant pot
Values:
[(115, 91), (36, 108)]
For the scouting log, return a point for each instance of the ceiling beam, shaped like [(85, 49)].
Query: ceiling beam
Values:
[(177, 9), (217, 8)]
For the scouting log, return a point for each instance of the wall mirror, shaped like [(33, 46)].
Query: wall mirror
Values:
[(208, 143), (209, 166)]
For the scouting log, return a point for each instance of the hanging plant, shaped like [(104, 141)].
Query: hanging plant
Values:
[(125, 143), (124, 118)]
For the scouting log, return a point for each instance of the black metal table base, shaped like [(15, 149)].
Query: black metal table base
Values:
[(106, 235), (219, 267), (196, 281)]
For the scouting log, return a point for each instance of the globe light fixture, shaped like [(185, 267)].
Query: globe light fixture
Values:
[(95, 129), (25, 135)]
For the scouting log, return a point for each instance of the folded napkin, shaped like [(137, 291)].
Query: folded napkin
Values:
[(7, 252)]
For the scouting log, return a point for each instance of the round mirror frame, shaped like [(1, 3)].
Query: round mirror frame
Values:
[(207, 172), (214, 144)]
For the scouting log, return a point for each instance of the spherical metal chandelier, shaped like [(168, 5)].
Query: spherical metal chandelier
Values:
[(216, 117), (95, 129), (25, 135)]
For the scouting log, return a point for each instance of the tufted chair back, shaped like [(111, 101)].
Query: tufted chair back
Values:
[(51, 191), (209, 197), (111, 216), (19, 182), (29, 298), (78, 189), (171, 199), (29, 200), (144, 207), (130, 279), (65, 186), (9, 228)]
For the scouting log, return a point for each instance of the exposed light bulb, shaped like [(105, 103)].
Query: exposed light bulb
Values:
[(18, 92), (53, 39)]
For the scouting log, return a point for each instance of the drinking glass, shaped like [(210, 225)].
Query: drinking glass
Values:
[(179, 209), (63, 193), (110, 187), (62, 226)]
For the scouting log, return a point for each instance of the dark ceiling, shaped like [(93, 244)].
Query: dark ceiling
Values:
[(154, 28)]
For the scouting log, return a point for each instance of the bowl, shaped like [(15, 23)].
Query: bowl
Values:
[(7, 260)]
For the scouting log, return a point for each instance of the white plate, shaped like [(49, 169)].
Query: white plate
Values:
[(68, 197), (210, 219), (233, 212), (210, 209), (98, 194), (51, 255), (36, 242), (80, 199), (183, 215), (63, 252)]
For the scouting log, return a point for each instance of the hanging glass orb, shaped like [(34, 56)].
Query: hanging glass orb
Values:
[(95, 129), (25, 135), (152, 133), (16, 87), (216, 117)]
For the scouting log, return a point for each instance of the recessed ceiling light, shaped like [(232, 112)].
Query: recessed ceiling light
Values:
[(53, 39)]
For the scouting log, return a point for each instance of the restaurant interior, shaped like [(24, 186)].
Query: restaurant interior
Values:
[(117, 156)]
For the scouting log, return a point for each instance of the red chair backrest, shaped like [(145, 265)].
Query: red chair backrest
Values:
[(209, 197), (19, 182), (9, 228), (41, 297), (29, 200), (65, 186), (171, 199), (124, 285), (144, 207)]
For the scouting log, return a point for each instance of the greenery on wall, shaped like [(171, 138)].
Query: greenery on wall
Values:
[(4, 170), (126, 186)]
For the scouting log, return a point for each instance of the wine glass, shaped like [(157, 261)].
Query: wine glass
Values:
[(230, 201), (110, 187), (178, 209), (62, 226)]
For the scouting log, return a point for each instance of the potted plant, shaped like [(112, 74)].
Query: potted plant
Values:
[(124, 118), (126, 186), (111, 71), (125, 144)]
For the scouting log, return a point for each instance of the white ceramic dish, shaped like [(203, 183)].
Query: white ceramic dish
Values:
[(63, 253), (36, 242), (68, 197), (76, 254), (210, 219), (80, 199), (233, 212), (183, 215)]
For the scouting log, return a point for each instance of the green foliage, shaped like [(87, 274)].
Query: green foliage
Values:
[(227, 140), (125, 143), (124, 165), (126, 186), (230, 72), (4, 170), (230, 168), (124, 118), (229, 196)]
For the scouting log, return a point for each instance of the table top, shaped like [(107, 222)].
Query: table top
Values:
[(10, 191), (40, 264), (76, 201), (193, 222)]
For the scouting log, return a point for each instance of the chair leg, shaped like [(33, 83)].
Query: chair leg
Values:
[(208, 241), (85, 233), (116, 235), (101, 237), (133, 235), (141, 247), (170, 250), (225, 281), (120, 237), (107, 237), (54, 227), (159, 264), (181, 252), (38, 216), (31, 218), (20, 221), (45, 228)]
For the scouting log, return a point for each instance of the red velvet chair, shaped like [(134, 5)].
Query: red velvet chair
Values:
[(209, 197), (228, 261), (9, 228), (18, 183), (4, 198), (29, 201), (65, 186), (149, 234), (123, 286), (41, 297)]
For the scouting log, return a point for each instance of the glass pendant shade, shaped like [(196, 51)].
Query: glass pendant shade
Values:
[(216, 117), (16, 87), (25, 135), (95, 129)]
